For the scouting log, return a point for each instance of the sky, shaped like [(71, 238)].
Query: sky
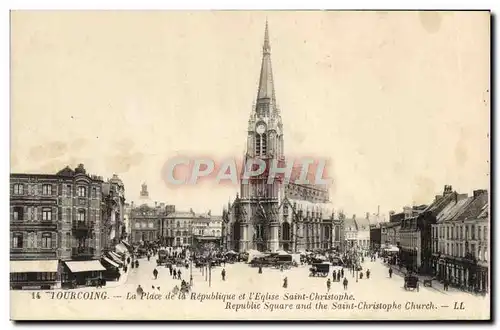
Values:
[(397, 101)]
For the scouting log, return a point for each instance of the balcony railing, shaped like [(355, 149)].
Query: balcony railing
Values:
[(82, 251), (83, 225)]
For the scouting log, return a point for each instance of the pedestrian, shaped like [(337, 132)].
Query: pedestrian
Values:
[(155, 273), (223, 274), (260, 269), (285, 282), (334, 275), (149, 256), (338, 277), (137, 264), (367, 274), (328, 285), (345, 283), (179, 274), (139, 290), (445, 285), (174, 273), (170, 269), (128, 260), (390, 272)]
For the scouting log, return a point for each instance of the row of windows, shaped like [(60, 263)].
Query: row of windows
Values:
[(47, 190), (18, 213), (47, 214), (460, 250), (461, 232), (19, 242)]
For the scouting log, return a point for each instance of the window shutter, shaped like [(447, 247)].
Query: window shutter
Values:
[(38, 238), (37, 213), (54, 244)]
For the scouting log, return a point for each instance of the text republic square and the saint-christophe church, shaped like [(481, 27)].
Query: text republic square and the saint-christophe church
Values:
[(277, 216)]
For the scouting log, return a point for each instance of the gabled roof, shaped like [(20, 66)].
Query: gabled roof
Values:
[(362, 223), (475, 207), (438, 205), (484, 212), (350, 223), (453, 210)]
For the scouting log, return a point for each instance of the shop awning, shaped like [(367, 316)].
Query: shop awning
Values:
[(121, 248), (130, 247), (115, 257), (111, 262), (34, 266), (85, 266)]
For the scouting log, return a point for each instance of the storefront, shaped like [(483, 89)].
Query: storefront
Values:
[(33, 274), (112, 272), (83, 273)]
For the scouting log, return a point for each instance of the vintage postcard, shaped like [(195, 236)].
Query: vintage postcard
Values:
[(250, 165)]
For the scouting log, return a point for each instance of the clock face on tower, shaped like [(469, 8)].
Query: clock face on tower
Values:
[(261, 128)]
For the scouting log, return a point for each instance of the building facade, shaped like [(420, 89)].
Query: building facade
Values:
[(182, 227), (416, 232), (375, 236), (269, 217), (460, 243), (55, 227), (113, 228), (146, 219)]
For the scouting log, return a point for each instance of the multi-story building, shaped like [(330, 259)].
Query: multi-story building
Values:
[(363, 232), (350, 232), (375, 236), (55, 228), (459, 243), (390, 233), (182, 229), (269, 217), (113, 212), (146, 218), (416, 236)]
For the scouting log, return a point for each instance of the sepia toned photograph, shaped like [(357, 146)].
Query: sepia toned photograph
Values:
[(250, 165)]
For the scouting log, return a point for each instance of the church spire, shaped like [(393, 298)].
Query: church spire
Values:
[(266, 85)]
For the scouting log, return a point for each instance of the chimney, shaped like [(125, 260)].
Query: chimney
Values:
[(156, 204), (479, 192), (354, 217), (367, 215), (378, 210)]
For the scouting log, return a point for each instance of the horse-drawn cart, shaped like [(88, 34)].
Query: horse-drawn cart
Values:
[(320, 269), (411, 282)]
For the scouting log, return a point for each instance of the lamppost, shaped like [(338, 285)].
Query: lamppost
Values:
[(191, 252), (416, 261)]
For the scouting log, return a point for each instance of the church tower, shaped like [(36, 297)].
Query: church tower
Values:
[(265, 128), (259, 201)]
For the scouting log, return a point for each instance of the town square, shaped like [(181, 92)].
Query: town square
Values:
[(145, 228)]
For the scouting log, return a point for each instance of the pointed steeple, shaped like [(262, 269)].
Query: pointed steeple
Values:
[(266, 85)]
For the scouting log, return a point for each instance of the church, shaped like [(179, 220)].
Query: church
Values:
[(278, 216)]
